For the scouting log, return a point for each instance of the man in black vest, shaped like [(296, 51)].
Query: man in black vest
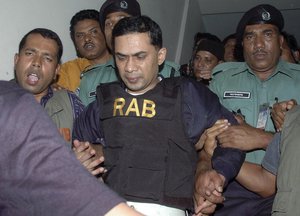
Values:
[(150, 127)]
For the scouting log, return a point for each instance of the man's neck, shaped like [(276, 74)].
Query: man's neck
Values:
[(39, 97), (264, 75), (101, 60)]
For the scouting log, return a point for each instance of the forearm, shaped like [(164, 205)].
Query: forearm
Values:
[(204, 162), (256, 179), (264, 138)]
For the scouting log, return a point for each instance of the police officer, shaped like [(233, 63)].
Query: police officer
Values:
[(250, 88), (110, 13), (149, 127)]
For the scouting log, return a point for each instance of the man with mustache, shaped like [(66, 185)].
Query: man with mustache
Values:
[(36, 67), (90, 46), (249, 89)]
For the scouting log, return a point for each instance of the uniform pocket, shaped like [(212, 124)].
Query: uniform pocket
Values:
[(282, 201)]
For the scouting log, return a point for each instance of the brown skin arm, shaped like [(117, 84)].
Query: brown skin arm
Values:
[(257, 179), (245, 137)]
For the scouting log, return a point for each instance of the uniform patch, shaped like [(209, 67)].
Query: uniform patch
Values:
[(236, 94), (92, 94)]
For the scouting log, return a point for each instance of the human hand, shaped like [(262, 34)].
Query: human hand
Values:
[(204, 207), (278, 112), (211, 134), (243, 137), (209, 186), (208, 138), (87, 156)]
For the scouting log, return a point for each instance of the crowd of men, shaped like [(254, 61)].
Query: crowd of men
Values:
[(122, 131)]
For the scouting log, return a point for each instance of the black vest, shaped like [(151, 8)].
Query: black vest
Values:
[(147, 154)]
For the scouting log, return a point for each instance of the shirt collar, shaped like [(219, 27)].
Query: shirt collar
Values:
[(46, 97), (282, 67)]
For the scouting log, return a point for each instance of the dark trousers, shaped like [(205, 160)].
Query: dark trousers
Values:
[(241, 202)]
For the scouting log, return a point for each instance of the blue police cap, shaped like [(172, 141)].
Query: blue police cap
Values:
[(260, 14), (131, 7)]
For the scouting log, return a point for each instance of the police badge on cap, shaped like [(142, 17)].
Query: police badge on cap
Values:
[(124, 5), (260, 14), (131, 7), (266, 16)]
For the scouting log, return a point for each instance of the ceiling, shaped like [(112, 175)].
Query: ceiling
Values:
[(220, 17), (209, 7)]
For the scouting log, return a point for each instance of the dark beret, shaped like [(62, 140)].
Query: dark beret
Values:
[(260, 14), (131, 7), (214, 47)]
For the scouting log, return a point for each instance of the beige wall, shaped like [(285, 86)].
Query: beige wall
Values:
[(179, 20), (19, 16)]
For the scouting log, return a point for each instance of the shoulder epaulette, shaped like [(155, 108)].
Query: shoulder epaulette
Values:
[(172, 64), (225, 67), (294, 66)]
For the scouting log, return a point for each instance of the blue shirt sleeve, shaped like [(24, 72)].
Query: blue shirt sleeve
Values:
[(271, 159), (76, 104), (87, 125), (201, 109)]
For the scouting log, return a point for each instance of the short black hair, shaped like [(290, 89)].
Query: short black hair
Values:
[(139, 24), (82, 15), (229, 37), (46, 33), (203, 36), (290, 40)]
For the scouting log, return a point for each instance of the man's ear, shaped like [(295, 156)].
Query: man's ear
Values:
[(56, 72), (16, 58), (162, 55), (281, 40)]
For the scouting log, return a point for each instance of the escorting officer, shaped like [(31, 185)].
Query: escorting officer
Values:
[(110, 13), (250, 88), (149, 127)]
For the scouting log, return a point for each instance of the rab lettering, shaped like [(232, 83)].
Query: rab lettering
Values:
[(148, 109)]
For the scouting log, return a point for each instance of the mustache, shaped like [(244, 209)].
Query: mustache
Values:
[(88, 44), (259, 51), (37, 72)]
